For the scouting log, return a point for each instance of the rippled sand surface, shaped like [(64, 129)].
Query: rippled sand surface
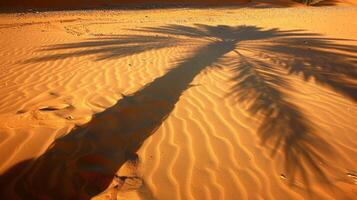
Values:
[(243, 103)]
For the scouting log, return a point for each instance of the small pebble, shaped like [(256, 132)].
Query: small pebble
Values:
[(69, 117), (353, 176), (20, 111), (282, 176)]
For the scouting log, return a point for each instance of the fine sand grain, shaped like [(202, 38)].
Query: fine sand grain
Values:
[(243, 103)]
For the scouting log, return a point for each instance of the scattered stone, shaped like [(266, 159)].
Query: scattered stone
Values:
[(282, 176), (20, 111), (353, 176), (53, 94), (69, 117)]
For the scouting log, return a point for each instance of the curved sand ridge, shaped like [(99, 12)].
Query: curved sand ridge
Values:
[(253, 109)]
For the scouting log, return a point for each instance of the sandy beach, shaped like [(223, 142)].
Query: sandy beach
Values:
[(209, 103)]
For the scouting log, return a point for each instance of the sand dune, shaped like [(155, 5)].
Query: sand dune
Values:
[(179, 104)]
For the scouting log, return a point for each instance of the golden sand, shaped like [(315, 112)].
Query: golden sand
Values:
[(244, 103)]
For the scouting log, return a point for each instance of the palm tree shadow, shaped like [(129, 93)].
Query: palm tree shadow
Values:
[(259, 88), (84, 162)]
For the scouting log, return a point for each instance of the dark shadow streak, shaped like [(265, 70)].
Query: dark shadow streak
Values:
[(83, 163)]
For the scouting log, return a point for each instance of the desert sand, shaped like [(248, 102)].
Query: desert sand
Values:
[(94, 4), (181, 103)]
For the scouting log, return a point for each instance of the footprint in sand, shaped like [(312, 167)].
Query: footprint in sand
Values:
[(127, 183)]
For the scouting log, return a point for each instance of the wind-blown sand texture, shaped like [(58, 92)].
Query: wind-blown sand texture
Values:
[(244, 103)]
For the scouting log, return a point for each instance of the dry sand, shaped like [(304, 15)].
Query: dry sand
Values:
[(179, 104), (74, 4)]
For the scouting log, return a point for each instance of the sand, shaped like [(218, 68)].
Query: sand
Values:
[(225, 103), (77, 4)]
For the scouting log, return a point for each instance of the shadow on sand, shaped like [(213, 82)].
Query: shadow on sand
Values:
[(83, 163), (26, 6)]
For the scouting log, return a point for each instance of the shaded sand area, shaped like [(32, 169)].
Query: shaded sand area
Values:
[(179, 104), (110, 4)]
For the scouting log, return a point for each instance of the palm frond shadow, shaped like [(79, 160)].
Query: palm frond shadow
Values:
[(109, 47), (85, 160), (259, 88)]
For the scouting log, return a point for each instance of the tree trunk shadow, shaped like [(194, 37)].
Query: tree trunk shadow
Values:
[(83, 163)]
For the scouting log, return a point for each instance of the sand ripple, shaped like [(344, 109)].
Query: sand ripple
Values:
[(111, 108)]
